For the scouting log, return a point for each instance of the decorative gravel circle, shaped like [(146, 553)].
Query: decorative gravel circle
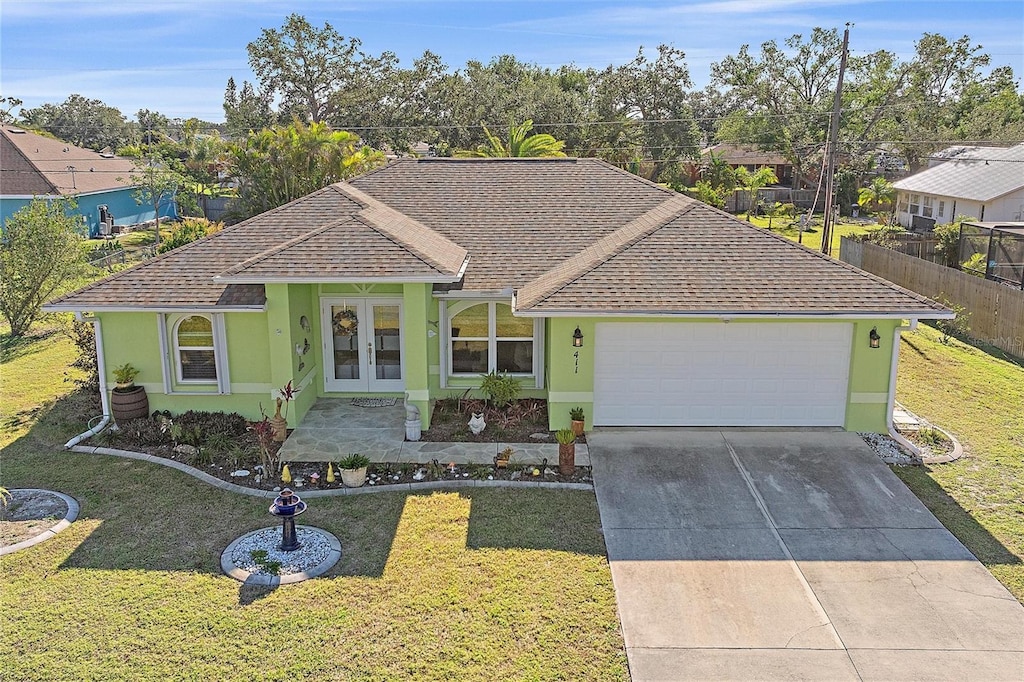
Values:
[(320, 550), (34, 508)]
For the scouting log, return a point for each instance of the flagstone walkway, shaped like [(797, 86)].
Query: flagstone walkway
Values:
[(334, 427)]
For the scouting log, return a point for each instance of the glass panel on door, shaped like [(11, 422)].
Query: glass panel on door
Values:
[(345, 328), (386, 355)]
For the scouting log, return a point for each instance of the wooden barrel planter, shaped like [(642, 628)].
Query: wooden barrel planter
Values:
[(129, 403)]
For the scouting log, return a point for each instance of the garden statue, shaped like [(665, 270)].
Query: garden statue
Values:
[(477, 423)]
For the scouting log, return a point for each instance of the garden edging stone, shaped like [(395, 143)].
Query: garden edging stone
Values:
[(69, 518), (334, 492)]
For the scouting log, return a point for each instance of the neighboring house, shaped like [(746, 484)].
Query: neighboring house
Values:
[(32, 166), (985, 183), (752, 159), (594, 287)]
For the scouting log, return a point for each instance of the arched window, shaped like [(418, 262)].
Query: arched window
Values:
[(486, 337), (194, 350)]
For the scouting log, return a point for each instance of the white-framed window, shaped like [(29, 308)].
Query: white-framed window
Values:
[(926, 206), (903, 203), (485, 337), (195, 353), (942, 209), (915, 201)]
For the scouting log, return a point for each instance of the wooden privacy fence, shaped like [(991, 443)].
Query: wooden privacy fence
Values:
[(997, 311)]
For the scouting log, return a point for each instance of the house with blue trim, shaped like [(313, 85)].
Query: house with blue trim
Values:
[(33, 166)]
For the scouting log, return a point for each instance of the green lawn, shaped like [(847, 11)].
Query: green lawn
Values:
[(482, 584), (980, 399), (811, 239)]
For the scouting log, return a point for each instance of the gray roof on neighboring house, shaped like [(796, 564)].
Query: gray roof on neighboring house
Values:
[(34, 165), (976, 174), (567, 235)]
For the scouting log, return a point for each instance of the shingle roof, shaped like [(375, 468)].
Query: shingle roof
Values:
[(33, 165), (977, 174), (703, 261), (576, 236)]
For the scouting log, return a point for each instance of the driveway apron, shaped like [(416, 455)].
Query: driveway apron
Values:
[(789, 555)]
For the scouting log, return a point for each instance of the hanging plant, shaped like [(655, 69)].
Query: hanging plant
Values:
[(346, 323)]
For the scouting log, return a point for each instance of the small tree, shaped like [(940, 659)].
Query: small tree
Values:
[(39, 254), (948, 236), (155, 180), (878, 194)]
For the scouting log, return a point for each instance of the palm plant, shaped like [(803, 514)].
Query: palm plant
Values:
[(879, 193), (751, 182), (520, 144)]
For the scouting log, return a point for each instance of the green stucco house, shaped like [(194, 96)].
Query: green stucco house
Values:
[(594, 287)]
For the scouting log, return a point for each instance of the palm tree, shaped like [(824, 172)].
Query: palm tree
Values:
[(751, 182), (879, 193), (520, 144)]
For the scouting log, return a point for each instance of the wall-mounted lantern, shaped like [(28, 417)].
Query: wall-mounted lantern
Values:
[(577, 338), (874, 338)]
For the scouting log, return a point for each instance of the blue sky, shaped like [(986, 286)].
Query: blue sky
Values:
[(175, 56)]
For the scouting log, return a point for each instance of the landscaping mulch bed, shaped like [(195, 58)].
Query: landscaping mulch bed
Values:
[(522, 421), (29, 513), (225, 447)]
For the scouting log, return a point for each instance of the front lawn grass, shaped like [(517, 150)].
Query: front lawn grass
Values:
[(811, 239), (979, 398), (484, 584)]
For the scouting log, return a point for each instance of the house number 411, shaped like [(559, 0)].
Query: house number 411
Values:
[(577, 356)]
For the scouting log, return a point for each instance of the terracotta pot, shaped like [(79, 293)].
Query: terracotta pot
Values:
[(279, 424), (131, 403), (566, 459), (577, 427), (353, 478)]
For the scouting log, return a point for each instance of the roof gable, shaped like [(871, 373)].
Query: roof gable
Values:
[(50, 162), (702, 261)]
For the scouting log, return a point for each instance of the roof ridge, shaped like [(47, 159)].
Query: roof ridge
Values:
[(427, 244), (602, 250)]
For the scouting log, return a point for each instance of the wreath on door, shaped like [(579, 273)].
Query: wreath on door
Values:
[(346, 323)]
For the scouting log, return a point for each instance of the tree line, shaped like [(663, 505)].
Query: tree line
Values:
[(644, 115)]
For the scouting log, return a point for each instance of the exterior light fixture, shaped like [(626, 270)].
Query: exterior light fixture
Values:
[(577, 338), (874, 338)]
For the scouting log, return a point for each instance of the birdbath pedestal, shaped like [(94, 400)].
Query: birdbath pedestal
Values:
[(287, 506)]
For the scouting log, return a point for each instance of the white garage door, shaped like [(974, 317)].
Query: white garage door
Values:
[(717, 374)]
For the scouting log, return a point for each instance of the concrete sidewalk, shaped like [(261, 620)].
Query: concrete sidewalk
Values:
[(789, 555)]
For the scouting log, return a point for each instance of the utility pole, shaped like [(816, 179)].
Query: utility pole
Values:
[(829, 218)]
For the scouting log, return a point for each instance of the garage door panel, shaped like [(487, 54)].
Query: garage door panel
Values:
[(721, 374)]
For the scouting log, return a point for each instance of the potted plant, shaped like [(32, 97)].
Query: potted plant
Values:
[(128, 401), (353, 470), (502, 459), (577, 416), (566, 451)]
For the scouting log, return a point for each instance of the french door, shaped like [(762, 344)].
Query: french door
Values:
[(362, 344)]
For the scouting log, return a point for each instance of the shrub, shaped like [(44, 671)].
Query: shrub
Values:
[(143, 432), (230, 424), (975, 265), (565, 436), (500, 389), (125, 374), (188, 231), (958, 326), (932, 437), (576, 414)]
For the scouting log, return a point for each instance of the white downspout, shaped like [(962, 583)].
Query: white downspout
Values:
[(893, 433), (101, 369)]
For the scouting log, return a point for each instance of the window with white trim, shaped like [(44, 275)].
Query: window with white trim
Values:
[(926, 207), (915, 200), (486, 337), (942, 209), (903, 203), (195, 356)]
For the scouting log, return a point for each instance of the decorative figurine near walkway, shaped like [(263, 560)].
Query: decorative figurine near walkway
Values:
[(477, 423), (413, 423), (288, 506)]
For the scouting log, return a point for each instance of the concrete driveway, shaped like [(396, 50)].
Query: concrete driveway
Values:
[(789, 555)]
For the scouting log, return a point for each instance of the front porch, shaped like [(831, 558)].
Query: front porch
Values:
[(335, 427)]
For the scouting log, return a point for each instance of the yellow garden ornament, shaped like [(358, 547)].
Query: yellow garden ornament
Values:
[(286, 475), (330, 473)]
